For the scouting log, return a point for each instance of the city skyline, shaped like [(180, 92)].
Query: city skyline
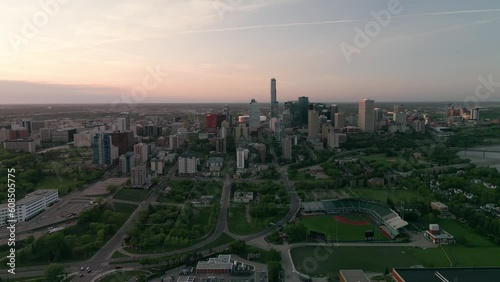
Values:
[(81, 53)]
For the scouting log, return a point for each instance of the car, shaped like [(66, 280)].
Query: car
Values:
[(118, 267), (81, 274), (88, 271), (81, 268)]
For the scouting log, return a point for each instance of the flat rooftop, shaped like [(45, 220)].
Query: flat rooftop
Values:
[(483, 274)]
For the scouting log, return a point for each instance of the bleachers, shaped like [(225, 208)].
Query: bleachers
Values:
[(384, 216)]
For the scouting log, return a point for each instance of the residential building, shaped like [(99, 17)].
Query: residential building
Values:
[(104, 151), (173, 143), (158, 165), (25, 145), (214, 165), (241, 131), (141, 150), (127, 162), (240, 158), (187, 164), (123, 122), (221, 145), (83, 139), (138, 176), (243, 197), (45, 134), (366, 119)]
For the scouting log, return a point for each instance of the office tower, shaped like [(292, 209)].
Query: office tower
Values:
[(339, 121), (312, 125), (474, 114), (188, 164), (286, 148), (104, 151), (227, 113), (253, 115), (138, 176), (221, 146), (240, 158), (331, 113), (123, 140), (241, 131), (303, 107), (211, 121), (399, 109), (366, 117), (83, 139), (141, 150), (274, 102)]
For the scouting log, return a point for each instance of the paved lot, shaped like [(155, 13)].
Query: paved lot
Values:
[(100, 187)]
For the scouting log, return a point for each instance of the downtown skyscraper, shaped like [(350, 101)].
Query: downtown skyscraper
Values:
[(366, 115), (274, 102)]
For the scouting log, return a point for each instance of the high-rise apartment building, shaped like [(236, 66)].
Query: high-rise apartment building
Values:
[(141, 150)]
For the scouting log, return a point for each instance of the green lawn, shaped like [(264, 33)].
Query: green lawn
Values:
[(381, 194), (124, 276), (59, 183), (326, 224), (117, 254), (133, 195), (222, 240), (330, 260), (124, 208), (238, 224)]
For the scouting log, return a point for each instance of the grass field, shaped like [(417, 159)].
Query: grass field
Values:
[(59, 183), (133, 195), (376, 259), (382, 194), (124, 276), (238, 224), (326, 224)]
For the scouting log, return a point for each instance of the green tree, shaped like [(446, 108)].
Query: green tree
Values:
[(54, 273)]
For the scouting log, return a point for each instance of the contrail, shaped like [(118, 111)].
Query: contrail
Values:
[(328, 22)]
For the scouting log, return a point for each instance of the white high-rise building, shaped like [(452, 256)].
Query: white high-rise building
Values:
[(254, 115), (187, 164), (366, 115), (240, 158)]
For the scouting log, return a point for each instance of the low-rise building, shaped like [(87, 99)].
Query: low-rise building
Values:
[(243, 197), (214, 165), (29, 206), (438, 236), (25, 145)]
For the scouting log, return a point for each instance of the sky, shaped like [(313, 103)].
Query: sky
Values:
[(177, 51)]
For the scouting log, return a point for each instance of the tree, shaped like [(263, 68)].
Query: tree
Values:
[(54, 273), (238, 247), (274, 269)]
